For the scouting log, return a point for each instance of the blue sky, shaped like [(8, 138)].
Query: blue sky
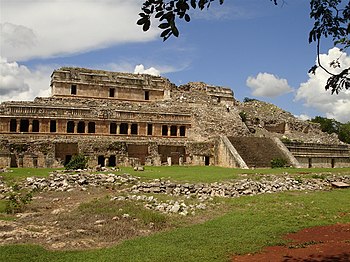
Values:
[(257, 49)]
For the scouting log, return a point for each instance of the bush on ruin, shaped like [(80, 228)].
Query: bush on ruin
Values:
[(77, 162), (278, 163)]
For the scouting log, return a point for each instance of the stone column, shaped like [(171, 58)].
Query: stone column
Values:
[(169, 160), (169, 130), (177, 131), (30, 126), (18, 125), (75, 127), (118, 129), (86, 127), (129, 129)]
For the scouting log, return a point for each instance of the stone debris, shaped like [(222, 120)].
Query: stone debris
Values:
[(340, 184), (137, 190)]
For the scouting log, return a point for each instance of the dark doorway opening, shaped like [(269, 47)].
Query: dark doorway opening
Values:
[(164, 130), (35, 127), (182, 131), (207, 160), (24, 125), (124, 128), (112, 160), (91, 127), (13, 125), (70, 127), (333, 162), (149, 129), (53, 127), (13, 161), (67, 159), (134, 129), (113, 128), (81, 127), (101, 161), (173, 130)]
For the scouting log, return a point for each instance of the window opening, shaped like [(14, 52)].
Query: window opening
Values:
[(146, 95), (111, 92), (73, 89)]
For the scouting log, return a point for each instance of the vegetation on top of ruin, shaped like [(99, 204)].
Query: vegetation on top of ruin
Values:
[(331, 126)]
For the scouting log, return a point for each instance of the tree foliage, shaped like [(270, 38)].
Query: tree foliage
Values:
[(332, 126), (331, 19)]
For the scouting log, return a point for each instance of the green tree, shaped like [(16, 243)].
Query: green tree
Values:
[(327, 125), (331, 19), (332, 126), (344, 132)]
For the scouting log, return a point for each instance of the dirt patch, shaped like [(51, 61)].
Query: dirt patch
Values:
[(54, 221), (324, 243)]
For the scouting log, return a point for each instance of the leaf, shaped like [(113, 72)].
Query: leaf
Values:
[(142, 20), (193, 4), (175, 31), (146, 25), (164, 25), (187, 18)]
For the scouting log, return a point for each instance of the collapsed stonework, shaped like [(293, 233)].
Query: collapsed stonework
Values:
[(122, 119)]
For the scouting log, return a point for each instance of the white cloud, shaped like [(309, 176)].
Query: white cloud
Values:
[(140, 69), (303, 117), (268, 85), (36, 28), (315, 96), (17, 82)]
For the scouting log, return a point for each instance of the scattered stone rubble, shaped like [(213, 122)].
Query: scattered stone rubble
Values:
[(132, 188)]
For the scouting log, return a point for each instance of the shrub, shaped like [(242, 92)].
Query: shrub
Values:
[(243, 116), (17, 200), (77, 162), (278, 162)]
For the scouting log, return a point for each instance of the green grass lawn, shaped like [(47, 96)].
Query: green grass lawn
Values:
[(210, 174), (247, 225), (16, 174)]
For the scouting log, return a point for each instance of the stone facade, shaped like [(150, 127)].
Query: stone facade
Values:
[(132, 119)]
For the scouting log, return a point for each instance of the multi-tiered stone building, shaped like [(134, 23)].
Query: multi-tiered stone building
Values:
[(136, 119)]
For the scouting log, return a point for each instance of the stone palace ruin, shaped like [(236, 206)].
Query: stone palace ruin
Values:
[(122, 119)]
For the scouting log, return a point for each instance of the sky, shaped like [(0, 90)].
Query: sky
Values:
[(257, 49)]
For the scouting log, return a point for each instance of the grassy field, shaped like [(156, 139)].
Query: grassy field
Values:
[(249, 224), (186, 173), (243, 225)]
